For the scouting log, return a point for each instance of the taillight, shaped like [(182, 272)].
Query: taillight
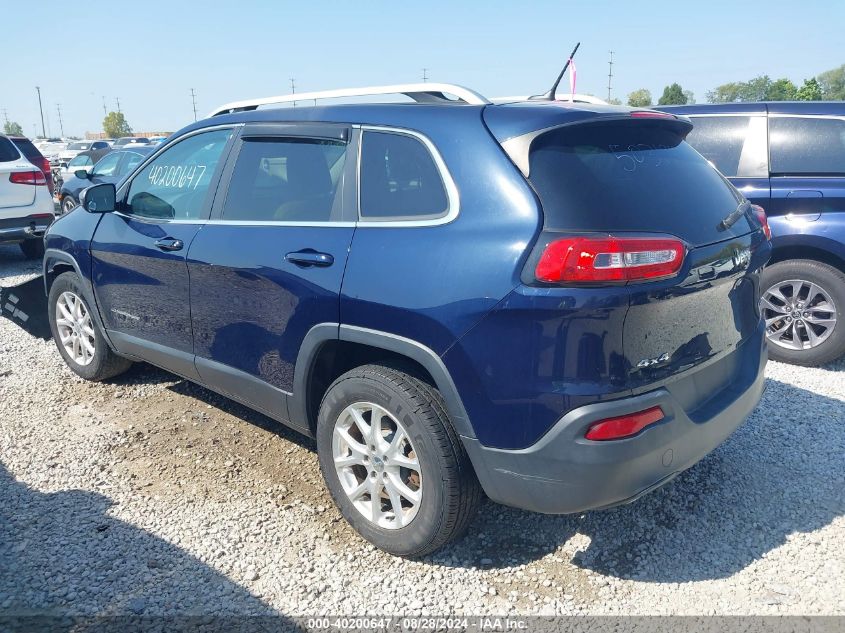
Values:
[(623, 425), (615, 259), (34, 177), (764, 221)]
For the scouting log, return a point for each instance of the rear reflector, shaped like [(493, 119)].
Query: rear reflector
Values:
[(615, 259), (35, 177), (764, 221), (624, 425)]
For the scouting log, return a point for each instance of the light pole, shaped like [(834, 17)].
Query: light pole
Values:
[(43, 129)]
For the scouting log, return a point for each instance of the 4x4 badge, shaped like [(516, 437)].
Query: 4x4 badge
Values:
[(648, 362)]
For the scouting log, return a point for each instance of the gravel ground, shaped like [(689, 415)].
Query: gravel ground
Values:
[(150, 495)]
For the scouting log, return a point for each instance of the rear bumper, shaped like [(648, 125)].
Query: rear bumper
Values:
[(22, 229), (564, 473)]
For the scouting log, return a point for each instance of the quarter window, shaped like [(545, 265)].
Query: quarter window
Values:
[(286, 180), (807, 145), (174, 186), (736, 145), (399, 179)]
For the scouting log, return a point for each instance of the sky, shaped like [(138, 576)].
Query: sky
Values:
[(150, 53)]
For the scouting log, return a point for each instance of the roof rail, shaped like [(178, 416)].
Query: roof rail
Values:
[(420, 92)]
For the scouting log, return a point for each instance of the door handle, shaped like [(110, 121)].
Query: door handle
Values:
[(309, 257), (169, 244)]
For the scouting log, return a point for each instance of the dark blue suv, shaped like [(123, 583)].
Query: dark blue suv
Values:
[(553, 304), (789, 158)]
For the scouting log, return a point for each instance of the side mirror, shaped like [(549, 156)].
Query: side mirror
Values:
[(99, 198), (81, 173)]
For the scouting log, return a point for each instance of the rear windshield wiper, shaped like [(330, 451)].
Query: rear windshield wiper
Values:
[(734, 217)]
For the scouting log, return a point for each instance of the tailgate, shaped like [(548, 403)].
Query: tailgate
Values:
[(14, 194), (705, 313)]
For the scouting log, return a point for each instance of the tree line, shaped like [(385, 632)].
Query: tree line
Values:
[(828, 86)]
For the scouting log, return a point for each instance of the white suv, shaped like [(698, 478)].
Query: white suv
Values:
[(26, 206)]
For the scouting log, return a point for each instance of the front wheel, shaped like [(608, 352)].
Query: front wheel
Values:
[(68, 204), (393, 463), (803, 304), (80, 342)]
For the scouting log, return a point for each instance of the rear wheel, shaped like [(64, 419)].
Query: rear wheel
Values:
[(803, 304), (393, 463), (77, 335), (33, 249)]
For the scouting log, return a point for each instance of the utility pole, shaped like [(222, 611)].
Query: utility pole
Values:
[(117, 101), (425, 74), (194, 101), (105, 112), (293, 88), (609, 75), (61, 125), (5, 115), (43, 129)]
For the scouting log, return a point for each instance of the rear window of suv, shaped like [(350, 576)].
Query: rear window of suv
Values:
[(8, 152), (630, 177)]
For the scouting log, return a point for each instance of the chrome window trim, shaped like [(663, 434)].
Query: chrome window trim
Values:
[(785, 115), (278, 223), (453, 202)]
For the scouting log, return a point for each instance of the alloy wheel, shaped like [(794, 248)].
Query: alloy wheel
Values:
[(75, 328), (799, 314), (377, 465)]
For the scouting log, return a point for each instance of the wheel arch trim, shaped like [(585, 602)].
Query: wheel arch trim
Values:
[(52, 257), (323, 333)]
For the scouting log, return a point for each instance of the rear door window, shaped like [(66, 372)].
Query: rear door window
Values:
[(736, 145), (631, 177), (8, 152), (286, 180), (399, 179), (807, 146)]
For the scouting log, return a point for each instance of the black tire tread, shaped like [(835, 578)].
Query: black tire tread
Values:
[(111, 364), (463, 493)]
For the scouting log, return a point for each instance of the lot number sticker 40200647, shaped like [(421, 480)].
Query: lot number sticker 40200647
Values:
[(177, 176)]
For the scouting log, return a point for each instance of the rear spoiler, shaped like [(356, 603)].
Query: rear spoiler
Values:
[(518, 148)]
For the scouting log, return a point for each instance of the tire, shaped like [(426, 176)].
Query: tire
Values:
[(828, 326), (69, 203), (103, 363), (448, 491), (33, 249)]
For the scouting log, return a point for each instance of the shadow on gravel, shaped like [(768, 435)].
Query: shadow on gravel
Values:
[(781, 473), (61, 554)]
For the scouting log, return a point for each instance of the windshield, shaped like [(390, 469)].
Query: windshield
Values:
[(80, 161)]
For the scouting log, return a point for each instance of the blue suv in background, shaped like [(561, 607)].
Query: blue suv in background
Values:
[(790, 159), (554, 304)]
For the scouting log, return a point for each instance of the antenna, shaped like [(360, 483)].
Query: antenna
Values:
[(550, 95), (194, 100), (609, 75)]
